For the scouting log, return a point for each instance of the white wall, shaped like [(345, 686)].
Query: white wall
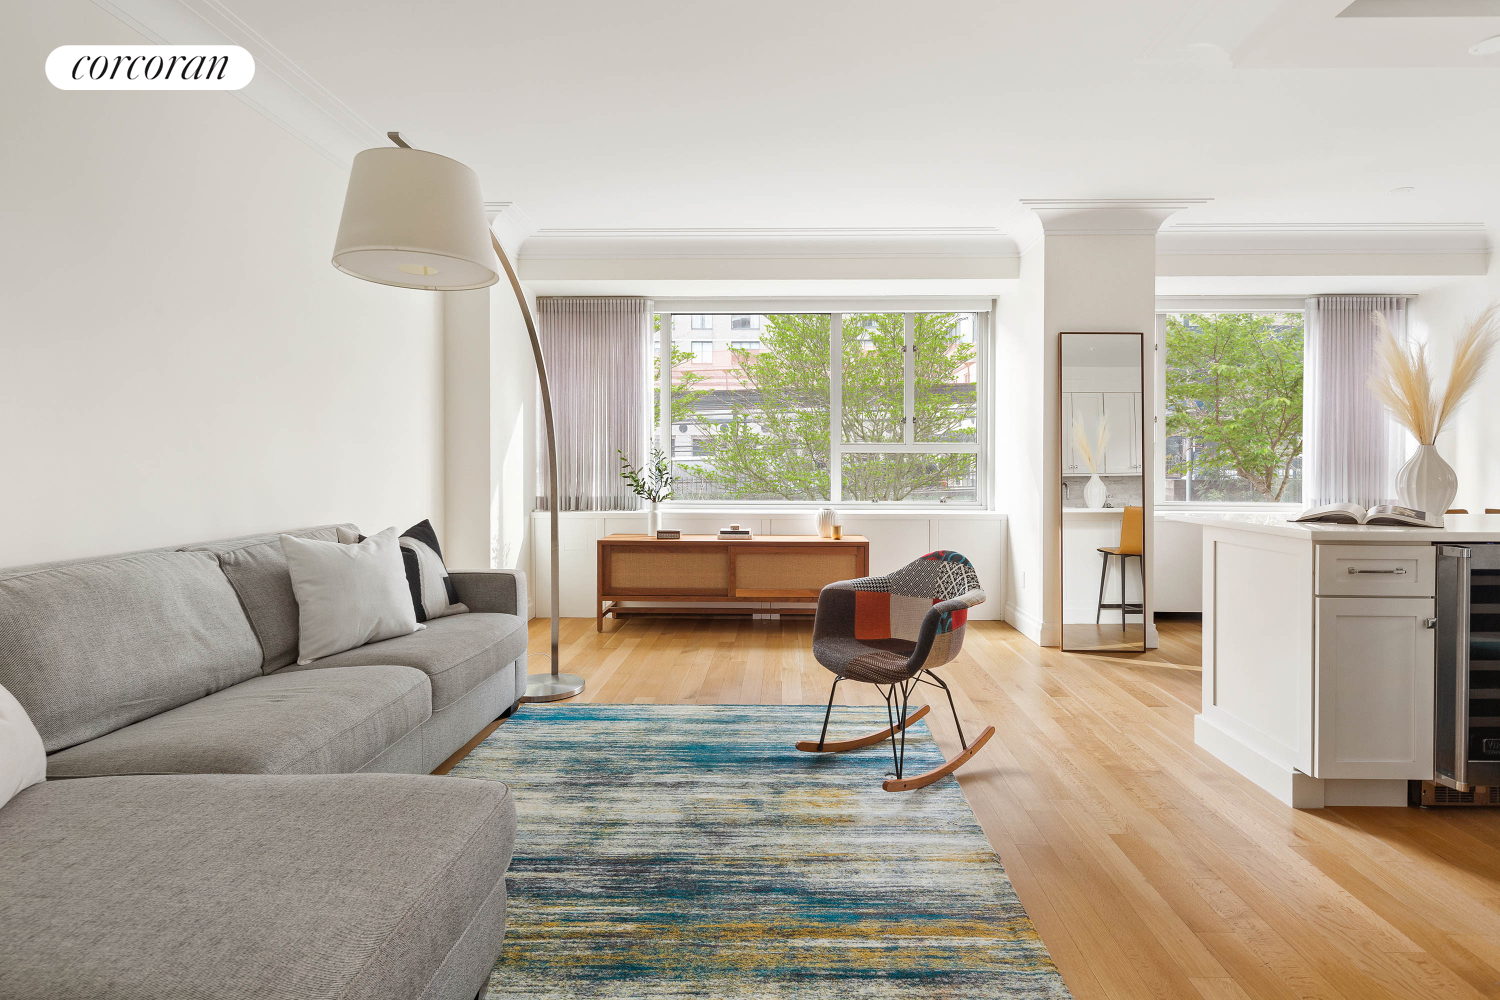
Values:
[(489, 396), (1019, 407), (1472, 443), (178, 359)]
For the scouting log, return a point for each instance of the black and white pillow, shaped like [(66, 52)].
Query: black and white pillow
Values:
[(432, 591)]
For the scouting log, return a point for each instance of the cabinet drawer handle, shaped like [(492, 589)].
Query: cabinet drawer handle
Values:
[(1377, 572), (1429, 623)]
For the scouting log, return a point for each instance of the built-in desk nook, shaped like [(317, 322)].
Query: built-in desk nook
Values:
[(639, 574)]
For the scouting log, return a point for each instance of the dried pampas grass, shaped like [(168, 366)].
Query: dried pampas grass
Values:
[(1092, 452), (1402, 380)]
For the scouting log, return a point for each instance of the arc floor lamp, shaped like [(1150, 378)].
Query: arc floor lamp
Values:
[(416, 219)]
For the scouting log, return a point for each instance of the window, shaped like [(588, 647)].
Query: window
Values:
[(703, 352), (1232, 403), (702, 322), (763, 422), (744, 322)]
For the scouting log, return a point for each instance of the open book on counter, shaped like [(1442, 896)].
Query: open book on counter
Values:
[(1353, 513)]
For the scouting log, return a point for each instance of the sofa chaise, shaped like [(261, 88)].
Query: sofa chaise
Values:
[(222, 822)]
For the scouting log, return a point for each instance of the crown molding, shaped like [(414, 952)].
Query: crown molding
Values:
[(937, 243), (511, 225), (281, 90), (1112, 204), (1252, 238), (1323, 227), (969, 254), (745, 233), (1105, 216)]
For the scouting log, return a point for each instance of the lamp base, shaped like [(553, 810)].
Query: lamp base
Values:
[(552, 687)]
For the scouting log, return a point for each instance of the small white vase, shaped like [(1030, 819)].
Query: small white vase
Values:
[(653, 518), (1094, 493), (827, 518), (1427, 483)]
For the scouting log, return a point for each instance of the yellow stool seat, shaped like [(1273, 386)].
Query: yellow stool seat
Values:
[(1132, 546)]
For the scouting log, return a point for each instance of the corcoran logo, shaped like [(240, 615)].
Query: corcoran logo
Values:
[(150, 67)]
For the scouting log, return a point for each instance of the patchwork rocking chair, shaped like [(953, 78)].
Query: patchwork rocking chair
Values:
[(892, 631)]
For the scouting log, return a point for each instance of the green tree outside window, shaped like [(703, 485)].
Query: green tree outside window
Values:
[(1234, 394)]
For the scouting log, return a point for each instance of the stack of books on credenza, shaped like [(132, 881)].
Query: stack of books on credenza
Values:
[(734, 533)]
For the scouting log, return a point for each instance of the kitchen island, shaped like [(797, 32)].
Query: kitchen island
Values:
[(1318, 653)]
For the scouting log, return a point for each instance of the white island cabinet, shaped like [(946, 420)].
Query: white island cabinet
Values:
[(1318, 653)]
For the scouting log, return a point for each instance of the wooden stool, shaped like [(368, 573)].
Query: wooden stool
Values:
[(1132, 546)]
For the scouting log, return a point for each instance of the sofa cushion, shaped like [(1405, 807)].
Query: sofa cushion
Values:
[(256, 568), (23, 762), (456, 653), (320, 722), (95, 644), (240, 886)]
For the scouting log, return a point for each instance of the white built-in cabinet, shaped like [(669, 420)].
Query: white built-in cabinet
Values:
[(1122, 450), (1318, 661), (1374, 662), (1375, 690)]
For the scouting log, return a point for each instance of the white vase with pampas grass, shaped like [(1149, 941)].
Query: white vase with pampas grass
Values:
[(1091, 453), (1402, 381)]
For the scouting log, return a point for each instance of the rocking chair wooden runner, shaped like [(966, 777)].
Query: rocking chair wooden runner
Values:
[(892, 631)]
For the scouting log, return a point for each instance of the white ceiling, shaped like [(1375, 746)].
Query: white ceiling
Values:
[(602, 115)]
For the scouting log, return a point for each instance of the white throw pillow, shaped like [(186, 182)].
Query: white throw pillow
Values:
[(348, 595), (23, 762)]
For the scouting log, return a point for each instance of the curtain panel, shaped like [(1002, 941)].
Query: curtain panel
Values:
[(1351, 446), (597, 355)]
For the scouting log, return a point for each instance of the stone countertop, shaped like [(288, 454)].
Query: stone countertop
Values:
[(1456, 527)]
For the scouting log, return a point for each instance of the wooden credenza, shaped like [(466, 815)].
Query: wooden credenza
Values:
[(702, 569)]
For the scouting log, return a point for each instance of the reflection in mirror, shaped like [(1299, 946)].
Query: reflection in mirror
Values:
[(1103, 439)]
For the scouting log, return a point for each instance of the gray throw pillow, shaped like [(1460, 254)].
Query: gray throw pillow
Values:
[(348, 595)]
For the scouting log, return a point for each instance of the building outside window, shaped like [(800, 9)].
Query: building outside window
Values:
[(744, 322), (1232, 406), (701, 322), (762, 423)]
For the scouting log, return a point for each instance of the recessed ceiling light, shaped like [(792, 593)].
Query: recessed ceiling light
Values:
[(1402, 191), (1489, 46)]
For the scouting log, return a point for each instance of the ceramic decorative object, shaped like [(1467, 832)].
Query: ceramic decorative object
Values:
[(1427, 483), (1401, 380), (827, 518), (653, 518), (1094, 493)]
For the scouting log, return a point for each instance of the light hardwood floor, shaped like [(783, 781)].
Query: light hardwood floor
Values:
[(1150, 869)]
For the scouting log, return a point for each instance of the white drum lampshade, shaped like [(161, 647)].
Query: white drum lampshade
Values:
[(415, 219)]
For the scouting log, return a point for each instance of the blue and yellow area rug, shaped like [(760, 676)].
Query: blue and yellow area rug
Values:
[(691, 851)]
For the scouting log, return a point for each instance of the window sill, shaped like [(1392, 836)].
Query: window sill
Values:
[(885, 510)]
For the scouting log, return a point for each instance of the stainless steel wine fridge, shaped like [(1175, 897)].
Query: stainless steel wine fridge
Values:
[(1466, 732)]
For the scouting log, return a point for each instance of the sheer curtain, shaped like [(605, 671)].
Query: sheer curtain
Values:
[(597, 352), (1351, 447)]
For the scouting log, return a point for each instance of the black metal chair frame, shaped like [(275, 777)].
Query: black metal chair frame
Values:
[(889, 691), (1125, 609)]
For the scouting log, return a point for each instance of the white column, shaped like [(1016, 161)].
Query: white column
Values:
[(1089, 266)]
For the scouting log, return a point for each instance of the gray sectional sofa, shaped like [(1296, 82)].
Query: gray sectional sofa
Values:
[(222, 822)]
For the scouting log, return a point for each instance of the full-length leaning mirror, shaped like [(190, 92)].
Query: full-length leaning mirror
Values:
[(1103, 488)]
